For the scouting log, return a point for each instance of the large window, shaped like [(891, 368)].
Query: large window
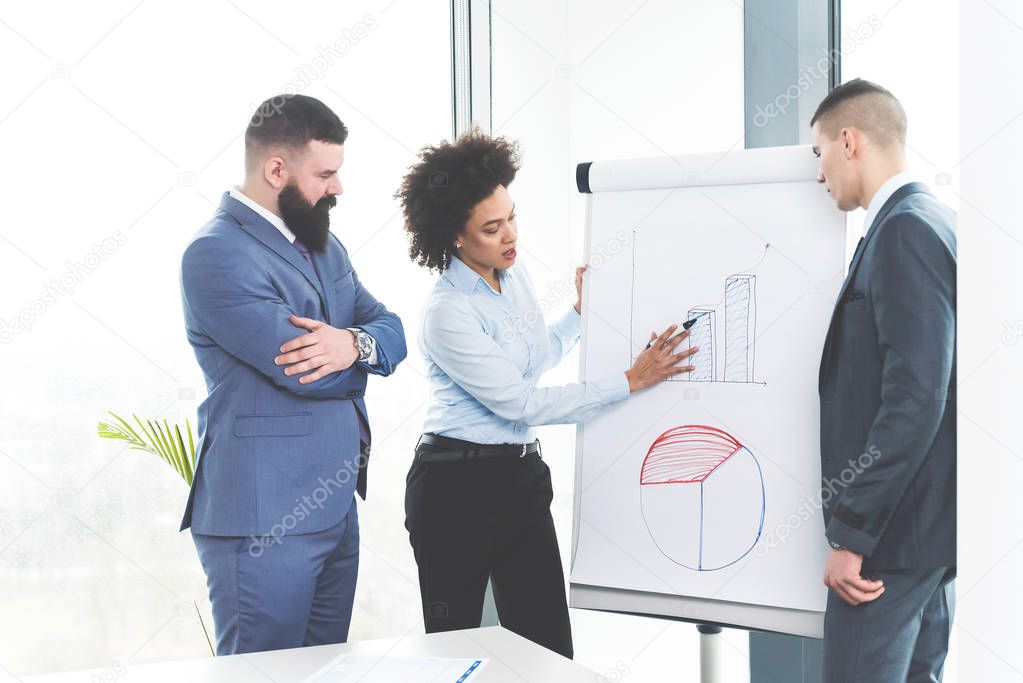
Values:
[(121, 126)]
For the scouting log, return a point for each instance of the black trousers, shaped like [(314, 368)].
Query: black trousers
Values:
[(478, 519)]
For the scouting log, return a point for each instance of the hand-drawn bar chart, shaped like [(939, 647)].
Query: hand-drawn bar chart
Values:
[(739, 349), (729, 357), (702, 497)]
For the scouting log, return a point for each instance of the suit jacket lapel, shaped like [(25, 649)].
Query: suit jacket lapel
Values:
[(257, 226), (325, 267), (898, 196)]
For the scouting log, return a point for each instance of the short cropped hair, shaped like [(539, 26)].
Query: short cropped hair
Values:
[(864, 105), (291, 122), (439, 192)]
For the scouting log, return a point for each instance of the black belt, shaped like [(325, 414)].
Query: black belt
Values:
[(445, 448)]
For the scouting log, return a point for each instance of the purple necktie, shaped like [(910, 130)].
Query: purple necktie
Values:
[(304, 250)]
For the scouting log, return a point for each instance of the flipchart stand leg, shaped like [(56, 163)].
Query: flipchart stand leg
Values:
[(711, 654)]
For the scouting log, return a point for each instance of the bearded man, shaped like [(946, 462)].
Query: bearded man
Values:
[(285, 335)]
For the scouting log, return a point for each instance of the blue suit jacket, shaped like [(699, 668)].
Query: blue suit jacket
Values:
[(887, 391), (276, 456)]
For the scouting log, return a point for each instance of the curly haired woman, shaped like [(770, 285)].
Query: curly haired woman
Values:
[(478, 493)]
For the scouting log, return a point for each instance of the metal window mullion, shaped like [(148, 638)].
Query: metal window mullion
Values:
[(471, 81)]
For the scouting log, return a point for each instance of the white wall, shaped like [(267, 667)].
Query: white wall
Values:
[(927, 85), (991, 344)]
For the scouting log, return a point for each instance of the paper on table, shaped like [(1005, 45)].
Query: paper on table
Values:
[(374, 669)]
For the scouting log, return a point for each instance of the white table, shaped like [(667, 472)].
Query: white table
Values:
[(512, 658)]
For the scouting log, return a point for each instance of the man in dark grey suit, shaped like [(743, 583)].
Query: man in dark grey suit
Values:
[(888, 421)]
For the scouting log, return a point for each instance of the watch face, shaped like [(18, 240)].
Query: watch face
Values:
[(364, 346)]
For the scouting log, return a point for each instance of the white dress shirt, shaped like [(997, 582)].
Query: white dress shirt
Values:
[(271, 218), (883, 194)]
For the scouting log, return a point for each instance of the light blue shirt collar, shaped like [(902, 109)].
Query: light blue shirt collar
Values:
[(883, 194), (465, 279)]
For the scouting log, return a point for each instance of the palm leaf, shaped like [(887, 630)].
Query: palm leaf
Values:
[(168, 448), (191, 445), (177, 447), (189, 467), (158, 445), (165, 441)]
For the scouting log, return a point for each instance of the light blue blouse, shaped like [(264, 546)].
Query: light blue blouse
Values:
[(485, 352)]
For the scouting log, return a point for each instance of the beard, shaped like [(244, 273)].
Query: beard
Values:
[(309, 222)]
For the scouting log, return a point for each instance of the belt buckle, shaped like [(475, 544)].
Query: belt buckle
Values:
[(523, 453)]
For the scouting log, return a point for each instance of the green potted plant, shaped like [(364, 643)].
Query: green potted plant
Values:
[(164, 441)]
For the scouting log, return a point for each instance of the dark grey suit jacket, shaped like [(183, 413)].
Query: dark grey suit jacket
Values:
[(887, 383)]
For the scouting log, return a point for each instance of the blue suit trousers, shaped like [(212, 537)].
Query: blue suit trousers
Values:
[(283, 591)]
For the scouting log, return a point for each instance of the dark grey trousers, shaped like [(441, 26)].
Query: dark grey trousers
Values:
[(901, 636)]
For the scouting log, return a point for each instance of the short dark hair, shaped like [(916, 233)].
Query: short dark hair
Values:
[(291, 121), (865, 105), (439, 192)]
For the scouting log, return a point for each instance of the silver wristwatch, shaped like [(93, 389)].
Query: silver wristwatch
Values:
[(362, 342)]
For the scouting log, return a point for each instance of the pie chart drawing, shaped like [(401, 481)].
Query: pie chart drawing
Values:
[(702, 497)]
